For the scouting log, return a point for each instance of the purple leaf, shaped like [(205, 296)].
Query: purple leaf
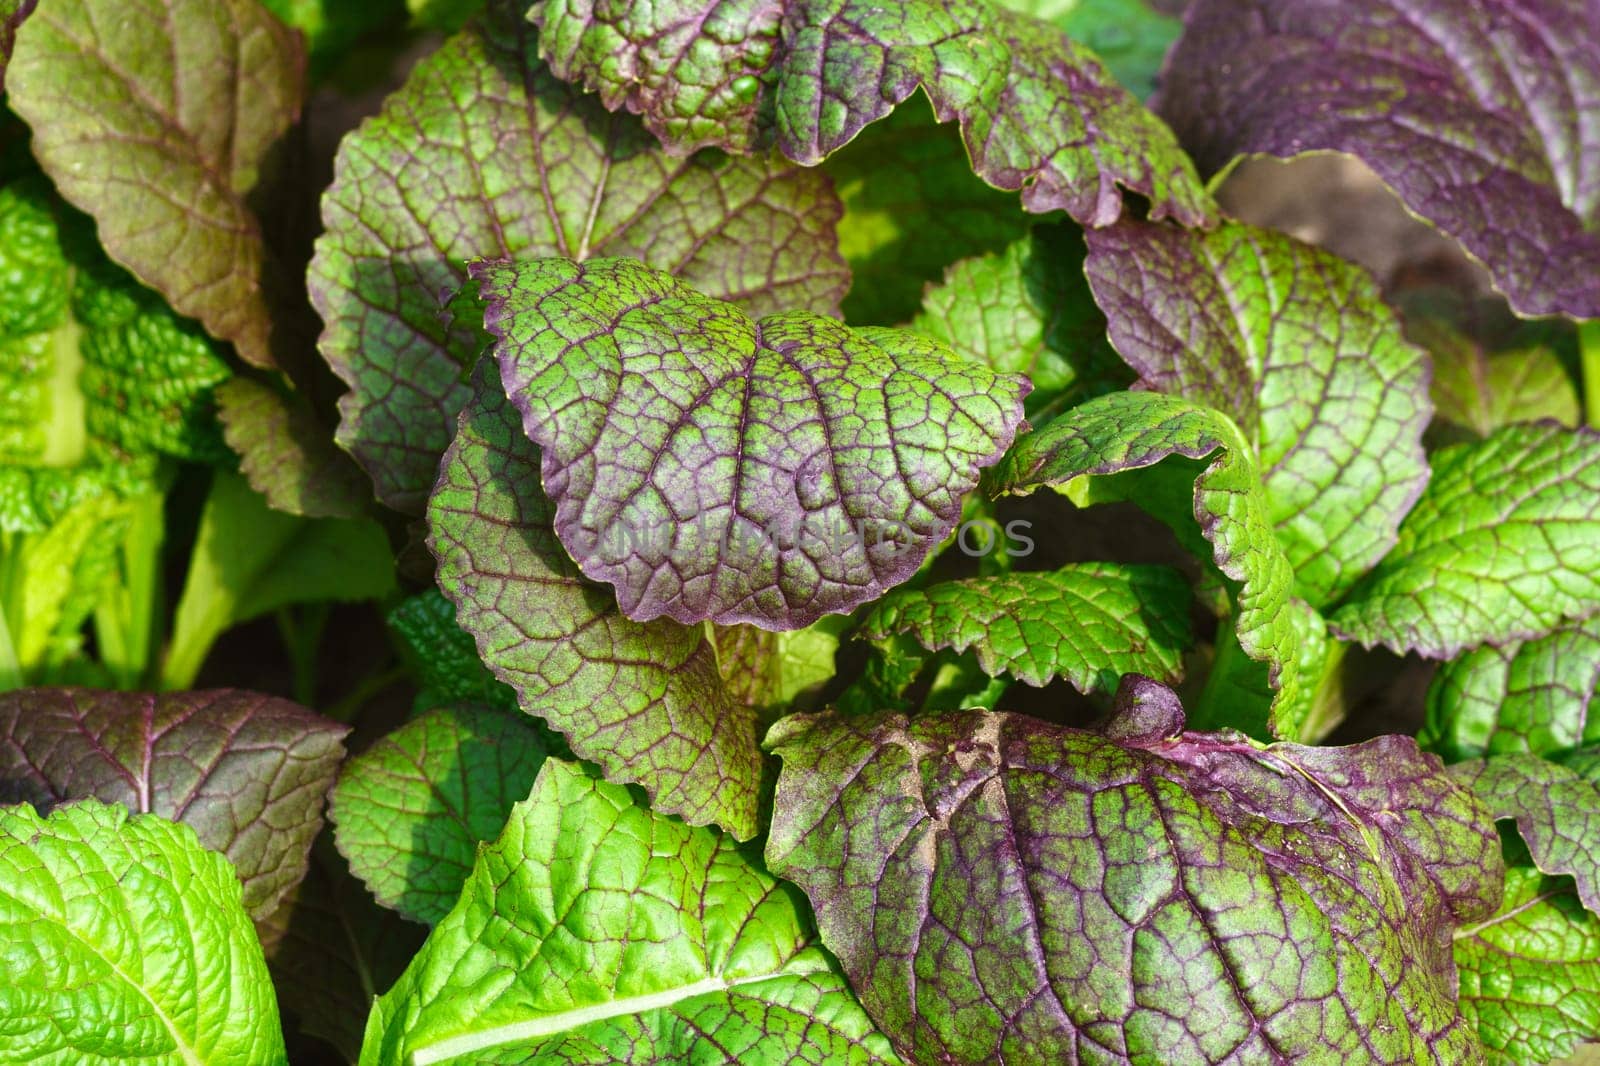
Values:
[(1478, 113), (161, 118), (710, 465), (286, 455), (1039, 112), (643, 700), (483, 153), (999, 888), (247, 772)]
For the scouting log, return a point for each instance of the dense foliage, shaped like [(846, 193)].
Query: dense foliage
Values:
[(770, 531)]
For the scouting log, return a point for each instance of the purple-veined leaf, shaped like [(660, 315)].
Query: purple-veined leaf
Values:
[(1503, 545), (710, 465), (600, 931), (1161, 441), (410, 811), (158, 118), (1038, 112), (529, 167), (1478, 113), (286, 455), (643, 700), (1002, 889), (1556, 806), (1525, 696), (247, 772), (1297, 346), (1087, 622)]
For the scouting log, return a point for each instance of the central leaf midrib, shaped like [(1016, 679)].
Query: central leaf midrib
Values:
[(568, 1020)]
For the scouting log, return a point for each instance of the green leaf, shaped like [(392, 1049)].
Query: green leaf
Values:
[(1087, 622), (249, 559), (709, 465), (287, 455), (99, 368), (157, 117), (332, 951), (912, 206), (1131, 37), (598, 931), (126, 941), (410, 811), (1524, 696), (1479, 390), (246, 772), (1134, 431), (1556, 808), (532, 168), (1026, 310), (643, 700), (1530, 974), (1503, 545), (1298, 348), (442, 655), (1038, 112), (999, 889)]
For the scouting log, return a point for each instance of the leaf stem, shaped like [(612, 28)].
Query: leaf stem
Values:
[(1589, 354)]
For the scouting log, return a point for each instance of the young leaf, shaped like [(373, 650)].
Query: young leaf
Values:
[(1026, 310), (1297, 346), (609, 933), (1480, 391), (332, 951), (769, 670), (1088, 622), (1129, 431), (1503, 545), (1556, 808), (644, 701), (126, 941), (157, 117), (1474, 111), (286, 455), (998, 887), (246, 772), (1038, 112), (911, 206), (249, 559), (1526, 696), (1530, 974), (531, 168), (713, 466), (410, 811)]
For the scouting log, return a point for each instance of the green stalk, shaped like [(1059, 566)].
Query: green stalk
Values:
[(10, 668), (1589, 354), (125, 622)]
